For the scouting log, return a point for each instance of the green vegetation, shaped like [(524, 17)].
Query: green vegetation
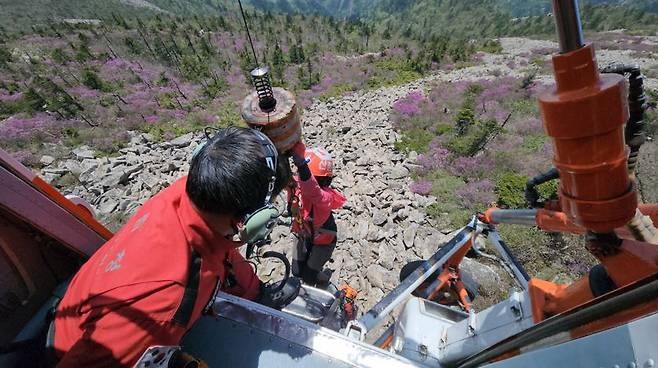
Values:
[(509, 189), (414, 140), (392, 72), (336, 90), (426, 18), (491, 46), (444, 186), (92, 80)]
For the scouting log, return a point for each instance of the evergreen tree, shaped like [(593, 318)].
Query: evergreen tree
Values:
[(278, 64)]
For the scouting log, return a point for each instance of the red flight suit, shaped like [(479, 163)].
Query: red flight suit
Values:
[(316, 204), (124, 298)]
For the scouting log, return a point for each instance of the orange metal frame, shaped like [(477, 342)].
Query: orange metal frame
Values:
[(584, 115), (450, 279)]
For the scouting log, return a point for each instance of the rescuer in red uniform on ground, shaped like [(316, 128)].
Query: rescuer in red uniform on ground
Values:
[(134, 292), (311, 200)]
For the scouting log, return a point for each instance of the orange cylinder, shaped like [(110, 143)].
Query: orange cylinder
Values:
[(282, 125), (585, 115)]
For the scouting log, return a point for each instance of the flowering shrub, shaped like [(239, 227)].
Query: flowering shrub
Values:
[(27, 158), (435, 158), (409, 105), (472, 167), (423, 187), (151, 119), (24, 128), (477, 195), (10, 97), (489, 139)]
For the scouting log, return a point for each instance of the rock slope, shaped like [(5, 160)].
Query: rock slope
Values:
[(383, 225)]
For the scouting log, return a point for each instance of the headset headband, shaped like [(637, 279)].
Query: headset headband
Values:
[(271, 160)]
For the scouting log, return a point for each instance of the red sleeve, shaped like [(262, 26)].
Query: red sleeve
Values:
[(248, 284), (118, 335), (312, 194), (319, 200)]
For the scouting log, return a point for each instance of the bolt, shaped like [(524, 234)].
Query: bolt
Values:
[(649, 363)]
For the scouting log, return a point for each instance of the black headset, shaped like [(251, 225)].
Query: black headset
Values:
[(257, 225)]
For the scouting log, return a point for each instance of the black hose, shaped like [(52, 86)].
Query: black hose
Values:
[(531, 193), (634, 131), (281, 257)]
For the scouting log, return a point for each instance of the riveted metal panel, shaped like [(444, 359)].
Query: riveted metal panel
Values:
[(631, 345), (247, 334)]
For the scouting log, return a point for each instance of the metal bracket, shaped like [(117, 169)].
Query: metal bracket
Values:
[(515, 305), (472, 322), (443, 340), (355, 330)]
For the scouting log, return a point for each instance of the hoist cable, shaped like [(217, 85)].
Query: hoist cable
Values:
[(246, 27)]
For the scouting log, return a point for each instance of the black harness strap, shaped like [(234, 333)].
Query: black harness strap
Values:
[(186, 307)]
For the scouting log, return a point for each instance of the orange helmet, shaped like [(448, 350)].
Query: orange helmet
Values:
[(350, 292), (320, 162)]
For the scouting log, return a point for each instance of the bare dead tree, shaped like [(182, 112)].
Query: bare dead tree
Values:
[(118, 97), (178, 88)]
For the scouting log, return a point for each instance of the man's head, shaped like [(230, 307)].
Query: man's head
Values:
[(229, 177)]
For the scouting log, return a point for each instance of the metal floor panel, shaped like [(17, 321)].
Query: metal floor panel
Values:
[(223, 343), (631, 345), (246, 334)]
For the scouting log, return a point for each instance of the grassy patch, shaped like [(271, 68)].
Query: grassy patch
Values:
[(465, 64), (457, 215), (529, 244), (336, 91), (509, 189), (392, 72), (444, 186), (414, 140), (525, 107), (534, 142), (538, 61), (490, 46)]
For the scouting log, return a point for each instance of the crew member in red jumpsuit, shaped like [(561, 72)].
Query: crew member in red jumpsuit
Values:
[(129, 295), (311, 200)]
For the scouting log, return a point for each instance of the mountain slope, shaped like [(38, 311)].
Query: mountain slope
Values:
[(426, 18), (21, 15), (469, 18), (521, 8), (423, 19)]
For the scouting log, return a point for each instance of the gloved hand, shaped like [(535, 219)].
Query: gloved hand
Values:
[(298, 153), (279, 299)]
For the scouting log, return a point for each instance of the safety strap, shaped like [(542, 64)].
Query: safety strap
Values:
[(184, 312)]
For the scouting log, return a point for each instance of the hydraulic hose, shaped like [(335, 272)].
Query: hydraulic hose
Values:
[(286, 264), (634, 132), (640, 226), (531, 193)]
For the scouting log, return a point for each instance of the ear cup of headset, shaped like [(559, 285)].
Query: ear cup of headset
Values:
[(259, 224)]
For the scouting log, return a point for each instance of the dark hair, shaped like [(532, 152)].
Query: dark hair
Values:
[(229, 176)]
